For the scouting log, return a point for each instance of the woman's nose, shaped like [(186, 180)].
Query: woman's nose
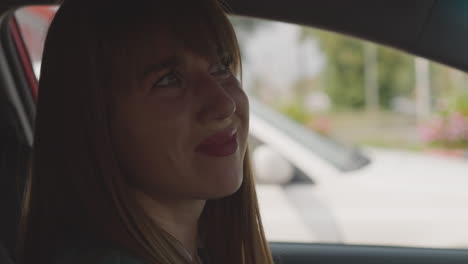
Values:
[(217, 103)]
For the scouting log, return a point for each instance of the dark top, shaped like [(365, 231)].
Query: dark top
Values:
[(104, 255)]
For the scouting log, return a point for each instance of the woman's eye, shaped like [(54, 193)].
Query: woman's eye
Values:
[(221, 68), (167, 80)]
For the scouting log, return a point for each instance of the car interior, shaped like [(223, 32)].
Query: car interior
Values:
[(434, 29)]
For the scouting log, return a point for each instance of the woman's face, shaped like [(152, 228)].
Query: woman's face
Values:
[(180, 129)]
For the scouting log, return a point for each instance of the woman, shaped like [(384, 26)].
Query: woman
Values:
[(140, 151)]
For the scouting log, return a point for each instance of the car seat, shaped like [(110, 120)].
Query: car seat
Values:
[(4, 256), (14, 156)]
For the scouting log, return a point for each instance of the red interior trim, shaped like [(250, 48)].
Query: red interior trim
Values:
[(24, 57)]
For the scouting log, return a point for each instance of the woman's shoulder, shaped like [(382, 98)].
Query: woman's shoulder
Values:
[(80, 255)]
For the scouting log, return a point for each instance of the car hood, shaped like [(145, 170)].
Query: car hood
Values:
[(410, 169)]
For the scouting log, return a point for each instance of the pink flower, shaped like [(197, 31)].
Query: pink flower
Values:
[(432, 131), (451, 129), (457, 127), (320, 125)]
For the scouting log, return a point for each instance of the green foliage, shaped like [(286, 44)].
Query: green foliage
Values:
[(295, 111), (344, 73), (395, 74), (457, 102), (449, 87), (461, 104), (445, 81)]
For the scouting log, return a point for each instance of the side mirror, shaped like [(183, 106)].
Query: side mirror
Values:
[(270, 167)]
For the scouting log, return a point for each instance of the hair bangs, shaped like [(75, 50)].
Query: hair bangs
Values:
[(199, 25), (204, 27)]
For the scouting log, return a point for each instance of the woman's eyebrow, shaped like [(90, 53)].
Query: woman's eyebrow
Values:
[(168, 62)]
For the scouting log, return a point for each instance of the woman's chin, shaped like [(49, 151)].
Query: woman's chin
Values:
[(221, 187), (220, 177)]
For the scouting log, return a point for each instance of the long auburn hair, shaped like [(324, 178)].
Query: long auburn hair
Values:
[(76, 188)]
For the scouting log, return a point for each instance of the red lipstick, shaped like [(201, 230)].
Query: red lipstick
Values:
[(220, 144)]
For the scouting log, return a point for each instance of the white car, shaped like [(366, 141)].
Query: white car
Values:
[(312, 189)]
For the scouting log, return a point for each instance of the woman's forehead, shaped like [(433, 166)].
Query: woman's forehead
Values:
[(148, 39), (161, 43)]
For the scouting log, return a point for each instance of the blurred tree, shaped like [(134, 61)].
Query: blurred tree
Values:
[(450, 89), (396, 75), (344, 73), (371, 84), (295, 110), (343, 77)]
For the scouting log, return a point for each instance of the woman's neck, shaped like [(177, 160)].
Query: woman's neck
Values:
[(177, 217)]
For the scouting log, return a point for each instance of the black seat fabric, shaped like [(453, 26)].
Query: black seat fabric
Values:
[(14, 152), (4, 256)]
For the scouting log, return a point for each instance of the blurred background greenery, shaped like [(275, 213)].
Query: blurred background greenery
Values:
[(370, 94)]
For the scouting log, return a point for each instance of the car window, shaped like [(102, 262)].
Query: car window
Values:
[(341, 156), (352, 142), (34, 22)]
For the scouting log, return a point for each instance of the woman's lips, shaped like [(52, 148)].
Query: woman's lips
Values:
[(220, 144)]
